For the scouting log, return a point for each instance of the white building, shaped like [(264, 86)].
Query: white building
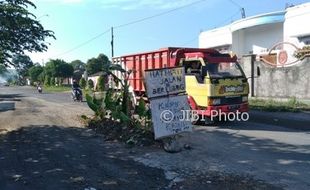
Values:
[(259, 34)]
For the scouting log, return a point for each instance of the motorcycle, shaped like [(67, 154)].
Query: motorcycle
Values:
[(77, 94), (39, 89)]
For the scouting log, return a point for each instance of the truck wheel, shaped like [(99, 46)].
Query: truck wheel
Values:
[(208, 121), (197, 122)]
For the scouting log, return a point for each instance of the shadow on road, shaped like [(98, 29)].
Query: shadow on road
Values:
[(270, 160), (11, 96), (245, 125), (54, 157)]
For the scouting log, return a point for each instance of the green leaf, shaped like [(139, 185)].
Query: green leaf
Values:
[(91, 104)]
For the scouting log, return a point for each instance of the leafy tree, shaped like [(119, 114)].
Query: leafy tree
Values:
[(95, 65), (65, 70), (53, 82), (79, 68), (22, 64), (82, 83), (47, 80), (58, 69), (20, 31), (3, 69), (78, 65), (35, 72)]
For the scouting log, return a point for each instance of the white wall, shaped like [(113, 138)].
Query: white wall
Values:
[(257, 39), (215, 38), (297, 23)]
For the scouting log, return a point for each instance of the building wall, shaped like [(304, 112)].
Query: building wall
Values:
[(296, 24), (215, 38), (283, 82), (256, 40)]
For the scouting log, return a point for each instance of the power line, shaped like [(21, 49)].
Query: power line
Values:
[(242, 10), (84, 43), (130, 23), (159, 14), (236, 4)]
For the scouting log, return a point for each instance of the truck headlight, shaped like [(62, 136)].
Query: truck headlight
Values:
[(244, 98), (214, 102)]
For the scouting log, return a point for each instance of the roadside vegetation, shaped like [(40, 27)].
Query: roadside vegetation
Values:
[(291, 105), (57, 88), (116, 116)]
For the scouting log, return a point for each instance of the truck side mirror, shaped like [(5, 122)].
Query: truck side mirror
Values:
[(258, 71)]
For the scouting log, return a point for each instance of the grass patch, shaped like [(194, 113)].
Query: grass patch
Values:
[(291, 105), (57, 88)]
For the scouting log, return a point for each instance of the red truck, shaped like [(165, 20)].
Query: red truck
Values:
[(219, 84)]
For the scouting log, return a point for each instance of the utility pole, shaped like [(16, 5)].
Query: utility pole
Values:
[(242, 13), (112, 42)]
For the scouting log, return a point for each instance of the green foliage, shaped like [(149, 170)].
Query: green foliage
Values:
[(22, 64), (47, 80), (58, 68), (20, 30), (95, 65), (118, 109), (34, 73), (79, 67), (82, 83), (53, 82), (96, 105), (90, 84), (291, 105), (3, 69), (101, 83)]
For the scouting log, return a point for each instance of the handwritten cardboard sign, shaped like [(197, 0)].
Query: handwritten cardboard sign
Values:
[(165, 81), (169, 116)]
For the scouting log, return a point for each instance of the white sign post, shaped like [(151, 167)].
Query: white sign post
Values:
[(166, 81), (170, 116), (169, 111)]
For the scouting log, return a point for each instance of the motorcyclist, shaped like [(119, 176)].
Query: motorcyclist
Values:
[(39, 87), (76, 87)]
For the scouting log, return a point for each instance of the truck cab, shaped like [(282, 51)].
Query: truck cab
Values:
[(215, 82)]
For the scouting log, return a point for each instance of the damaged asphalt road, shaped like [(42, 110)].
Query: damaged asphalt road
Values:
[(44, 146)]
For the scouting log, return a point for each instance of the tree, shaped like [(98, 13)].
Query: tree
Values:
[(47, 80), (95, 65), (3, 69), (58, 69), (22, 64), (78, 65), (83, 83), (35, 72), (20, 31), (79, 69)]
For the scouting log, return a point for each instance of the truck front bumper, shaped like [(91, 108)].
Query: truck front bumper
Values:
[(211, 110)]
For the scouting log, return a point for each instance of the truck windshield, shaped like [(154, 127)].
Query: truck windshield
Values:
[(224, 70)]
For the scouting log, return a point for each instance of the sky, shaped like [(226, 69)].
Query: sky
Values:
[(82, 27)]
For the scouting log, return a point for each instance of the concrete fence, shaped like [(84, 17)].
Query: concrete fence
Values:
[(278, 82)]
